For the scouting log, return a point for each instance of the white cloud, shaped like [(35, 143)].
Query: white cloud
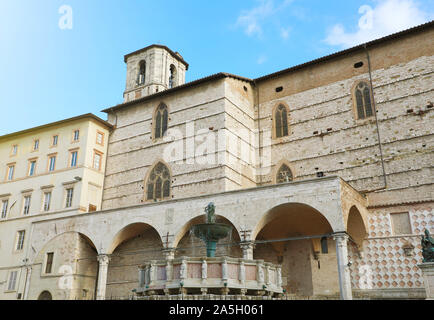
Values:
[(284, 33), (261, 59), (252, 20), (388, 16)]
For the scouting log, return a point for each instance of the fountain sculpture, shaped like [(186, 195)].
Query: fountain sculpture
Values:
[(211, 232), (198, 277)]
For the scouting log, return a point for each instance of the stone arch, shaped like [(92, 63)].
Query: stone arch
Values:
[(129, 231), (45, 295), (56, 238), (356, 226), (72, 268), (278, 211), (183, 240), (141, 74), (133, 245), (309, 265), (148, 176), (173, 76)]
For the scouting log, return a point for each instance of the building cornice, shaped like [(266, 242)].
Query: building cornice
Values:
[(176, 55), (89, 116)]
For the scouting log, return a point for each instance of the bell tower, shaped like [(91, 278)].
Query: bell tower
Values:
[(153, 69)]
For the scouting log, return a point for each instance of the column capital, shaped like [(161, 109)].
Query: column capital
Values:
[(169, 253), (250, 244), (103, 258), (340, 236), (247, 247)]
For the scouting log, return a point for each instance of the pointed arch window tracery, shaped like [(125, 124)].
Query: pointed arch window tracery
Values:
[(284, 174), (158, 184), (363, 101), (281, 121), (161, 119)]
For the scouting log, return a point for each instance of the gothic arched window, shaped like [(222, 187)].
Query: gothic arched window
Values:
[(172, 77), (142, 73), (363, 102), (158, 184), (281, 121), (284, 174), (160, 121)]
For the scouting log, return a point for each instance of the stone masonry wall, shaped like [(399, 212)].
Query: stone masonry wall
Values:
[(384, 264)]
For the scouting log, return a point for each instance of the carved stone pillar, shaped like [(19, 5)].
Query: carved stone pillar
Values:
[(224, 270), (103, 261), (183, 270), (141, 276), (247, 248), (343, 268), (242, 272), (152, 271), (268, 273), (204, 270), (169, 270), (279, 277), (169, 253), (147, 277), (261, 277)]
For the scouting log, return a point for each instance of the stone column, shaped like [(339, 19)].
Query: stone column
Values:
[(103, 260), (247, 247), (428, 278), (343, 268)]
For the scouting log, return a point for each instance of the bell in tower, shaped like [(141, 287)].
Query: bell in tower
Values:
[(151, 70)]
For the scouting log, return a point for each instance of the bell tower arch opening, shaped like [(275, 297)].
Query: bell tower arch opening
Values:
[(151, 70)]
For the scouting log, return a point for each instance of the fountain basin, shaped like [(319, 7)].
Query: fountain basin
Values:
[(211, 233), (218, 275)]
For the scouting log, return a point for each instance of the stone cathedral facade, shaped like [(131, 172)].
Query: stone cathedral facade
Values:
[(325, 169)]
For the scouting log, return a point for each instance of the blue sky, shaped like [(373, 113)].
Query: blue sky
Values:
[(49, 73)]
